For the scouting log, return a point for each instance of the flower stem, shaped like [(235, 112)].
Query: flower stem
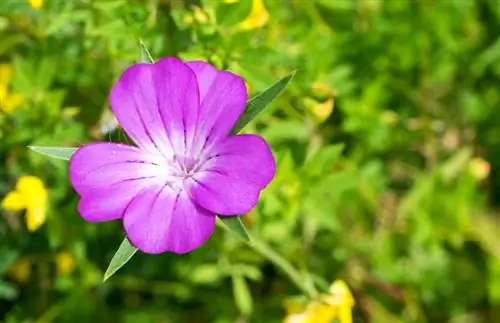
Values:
[(284, 265), (280, 262)]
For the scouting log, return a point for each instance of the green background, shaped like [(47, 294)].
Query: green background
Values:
[(386, 193)]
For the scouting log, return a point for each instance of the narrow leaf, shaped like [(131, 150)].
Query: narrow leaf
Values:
[(145, 54), (121, 257), (234, 225), (242, 295), (260, 102), (55, 152)]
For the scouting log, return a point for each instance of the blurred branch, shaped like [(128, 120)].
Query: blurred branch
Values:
[(392, 291)]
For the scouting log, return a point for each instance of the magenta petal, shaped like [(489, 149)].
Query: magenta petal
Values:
[(100, 165), (178, 100), (157, 105), (107, 176), (230, 181), (248, 157), (160, 220), (223, 97), (205, 75), (133, 101), (109, 204)]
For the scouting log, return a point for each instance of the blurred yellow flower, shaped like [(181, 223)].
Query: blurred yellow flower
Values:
[(6, 72), (342, 300), (337, 304), (200, 15), (389, 118), (320, 110), (249, 88), (30, 194), (65, 263), (8, 101), (36, 4), (21, 270), (258, 17), (480, 168), (13, 202)]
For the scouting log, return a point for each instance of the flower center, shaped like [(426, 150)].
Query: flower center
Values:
[(180, 168), (186, 164)]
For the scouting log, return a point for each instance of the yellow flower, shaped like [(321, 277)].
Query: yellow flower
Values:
[(258, 17), (200, 16), (30, 194), (21, 270), (320, 110), (36, 4), (323, 90), (337, 304), (342, 300), (8, 101), (13, 202), (3, 96), (480, 168), (14, 101), (65, 263), (296, 318), (6, 72)]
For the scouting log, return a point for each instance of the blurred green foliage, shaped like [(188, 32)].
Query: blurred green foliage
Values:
[(387, 143)]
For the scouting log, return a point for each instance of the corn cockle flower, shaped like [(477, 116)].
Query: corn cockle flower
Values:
[(185, 169)]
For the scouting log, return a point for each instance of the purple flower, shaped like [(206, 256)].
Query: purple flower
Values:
[(185, 170)]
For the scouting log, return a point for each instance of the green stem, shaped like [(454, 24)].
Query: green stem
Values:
[(284, 265), (280, 262)]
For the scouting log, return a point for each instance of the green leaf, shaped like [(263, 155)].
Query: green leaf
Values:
[(8, 258), (259, 102), (242, 295), (121, 257), (337, 5), (324, 160), (7, 291), (285, 130), (229, 14), (45, 74), (234, 225), (55, 152), (454, 166), (145, 54)]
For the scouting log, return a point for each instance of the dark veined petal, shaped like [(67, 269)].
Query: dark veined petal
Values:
[(107, 176), (109, 204), (223, 97), (178, 100), (133, 102), (230, 181), (157, 105), (161, 219)]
